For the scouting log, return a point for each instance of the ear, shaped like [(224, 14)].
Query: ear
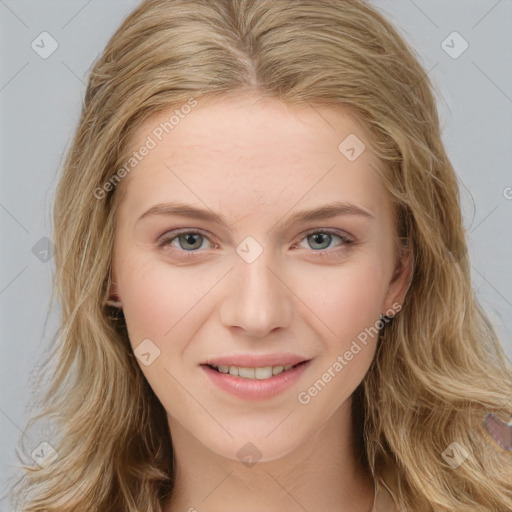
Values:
[(400, 281)]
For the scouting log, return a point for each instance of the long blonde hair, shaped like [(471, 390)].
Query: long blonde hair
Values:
[(439, 367)]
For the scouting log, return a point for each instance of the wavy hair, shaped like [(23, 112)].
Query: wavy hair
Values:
[(439, 366)]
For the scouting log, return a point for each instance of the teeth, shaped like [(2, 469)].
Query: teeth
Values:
[(246, 373), (261, 373), (276, 370)]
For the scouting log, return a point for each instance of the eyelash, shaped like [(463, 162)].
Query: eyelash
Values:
[(168, 237)]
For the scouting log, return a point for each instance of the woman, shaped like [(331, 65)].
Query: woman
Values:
[(253, 370)]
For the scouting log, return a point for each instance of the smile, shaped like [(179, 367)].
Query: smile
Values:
[(257, 382)]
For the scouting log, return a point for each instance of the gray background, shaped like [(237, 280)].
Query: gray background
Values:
[(40, 102)]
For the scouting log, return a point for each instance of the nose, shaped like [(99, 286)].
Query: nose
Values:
[(257, 298)]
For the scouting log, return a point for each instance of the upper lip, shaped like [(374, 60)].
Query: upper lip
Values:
[(256, 361)]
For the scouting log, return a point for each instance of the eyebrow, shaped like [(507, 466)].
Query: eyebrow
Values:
[(326, 211)]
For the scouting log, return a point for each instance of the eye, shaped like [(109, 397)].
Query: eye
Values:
[(321, 239), (187, 241)]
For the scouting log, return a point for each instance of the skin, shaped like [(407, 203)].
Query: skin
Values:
[(256, 162)]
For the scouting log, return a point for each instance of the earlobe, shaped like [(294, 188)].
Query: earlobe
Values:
[(113, 299), (113, 303)]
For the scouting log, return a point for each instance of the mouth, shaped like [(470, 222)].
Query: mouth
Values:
[(251, 377), (255, 373)]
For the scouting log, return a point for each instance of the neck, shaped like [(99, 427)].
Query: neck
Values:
[(324, 473)]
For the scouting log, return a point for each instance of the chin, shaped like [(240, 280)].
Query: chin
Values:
[(266, 444)]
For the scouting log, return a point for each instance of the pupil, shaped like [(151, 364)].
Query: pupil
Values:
[(320, 236), (189, 239)]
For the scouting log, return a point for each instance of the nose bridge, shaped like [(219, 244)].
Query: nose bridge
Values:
[(256, 299)]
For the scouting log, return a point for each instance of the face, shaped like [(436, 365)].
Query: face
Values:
[(252, 281)]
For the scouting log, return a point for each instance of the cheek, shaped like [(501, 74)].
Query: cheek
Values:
[(145, 304), (347, 299), (160, 302), (151, 299), (350, 307)]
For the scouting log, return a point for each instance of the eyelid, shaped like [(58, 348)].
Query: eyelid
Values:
[(333, 231), (170, 235)]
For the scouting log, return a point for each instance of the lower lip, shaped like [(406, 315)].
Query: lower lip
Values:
[(255, 389)]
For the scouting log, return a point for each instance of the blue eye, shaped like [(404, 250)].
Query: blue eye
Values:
[(185, 239), (188, 242), (320, 237)]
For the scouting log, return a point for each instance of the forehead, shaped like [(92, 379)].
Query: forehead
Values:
[(245, 153)]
